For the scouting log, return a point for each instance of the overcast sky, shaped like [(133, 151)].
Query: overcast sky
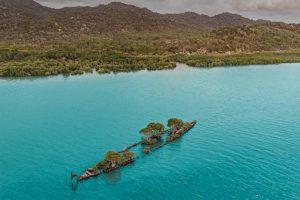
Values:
[(279, 10)]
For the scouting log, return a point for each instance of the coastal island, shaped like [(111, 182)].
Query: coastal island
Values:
[(152, 135)]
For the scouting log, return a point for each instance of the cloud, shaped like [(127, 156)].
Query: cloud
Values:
[(280, 10), (204, 6), (267, 5), (162, 6), (66, 3)]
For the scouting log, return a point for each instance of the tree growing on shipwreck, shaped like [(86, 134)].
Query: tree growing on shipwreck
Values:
[(152, 133), (175, 124), (114, 160)]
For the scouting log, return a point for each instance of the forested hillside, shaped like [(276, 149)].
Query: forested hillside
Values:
[(36, 40)]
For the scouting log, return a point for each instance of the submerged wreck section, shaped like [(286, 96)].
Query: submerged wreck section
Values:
[(152, 140)]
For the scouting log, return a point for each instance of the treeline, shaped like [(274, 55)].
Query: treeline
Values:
[(151, 51), (241, 59), (68, 59)]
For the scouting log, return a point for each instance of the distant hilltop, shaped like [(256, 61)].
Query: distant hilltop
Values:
[(28, 19)]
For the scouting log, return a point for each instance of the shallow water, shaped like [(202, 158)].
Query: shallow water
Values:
[(245, 146)]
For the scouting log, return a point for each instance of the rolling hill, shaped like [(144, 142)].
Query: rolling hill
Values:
[(206, 23), (26, 19), (40, 41)]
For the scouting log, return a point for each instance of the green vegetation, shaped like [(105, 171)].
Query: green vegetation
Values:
[(147, 150), (172, 137), (214, 60), (80, 56), (152, 133), (150, 141), (40, 41), (230, 46), (178, 128), (114, 160), (174, 124), (153, 129)]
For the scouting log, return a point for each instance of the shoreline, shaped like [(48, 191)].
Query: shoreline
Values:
[(18, 69)]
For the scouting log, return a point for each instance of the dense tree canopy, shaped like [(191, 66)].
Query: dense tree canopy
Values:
[(152, 51), (112, 156), (175, 123), (153, 129), (128, 154)]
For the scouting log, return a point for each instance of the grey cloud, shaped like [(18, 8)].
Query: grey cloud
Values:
[(162, 6), (66, 3), (280, 10), (267, 5)]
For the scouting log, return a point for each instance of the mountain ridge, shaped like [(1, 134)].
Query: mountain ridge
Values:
[(206, 23), (27, 19)]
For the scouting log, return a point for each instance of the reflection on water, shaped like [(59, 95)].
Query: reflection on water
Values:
[(112, 177)]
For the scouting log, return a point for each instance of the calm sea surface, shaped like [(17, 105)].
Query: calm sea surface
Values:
[(246, 144)]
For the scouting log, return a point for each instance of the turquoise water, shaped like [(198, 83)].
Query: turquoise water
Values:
[(245, 146)]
